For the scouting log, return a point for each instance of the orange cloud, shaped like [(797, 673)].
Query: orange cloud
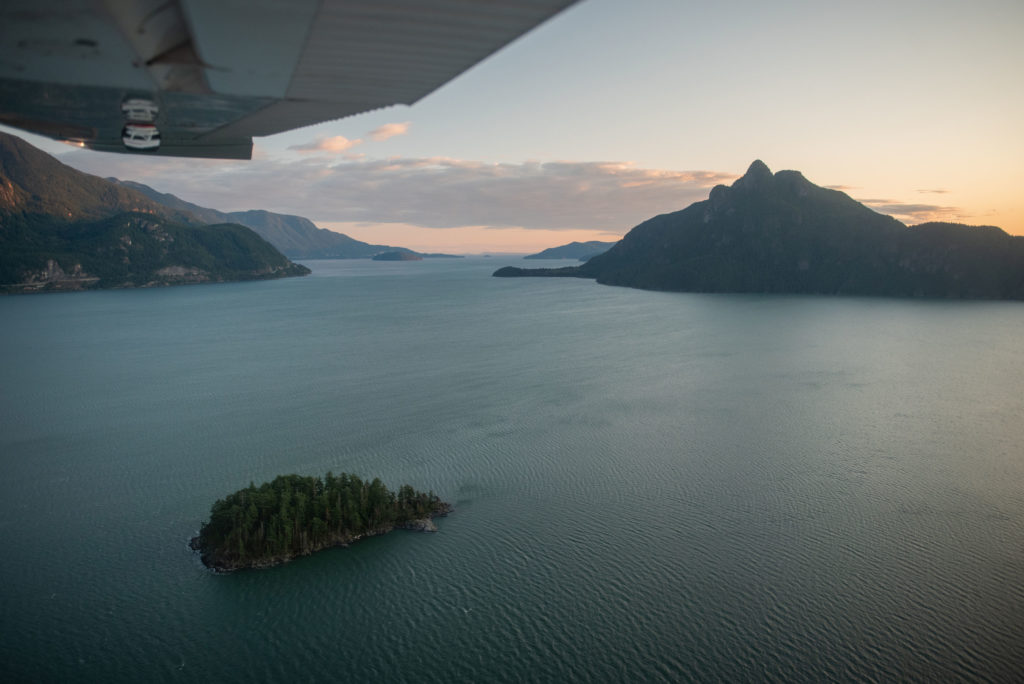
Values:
[(335, 144), (389, 131), (911, 213)]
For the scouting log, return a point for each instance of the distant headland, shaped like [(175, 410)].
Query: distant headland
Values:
[(397, 255), (294, 515), (574, 250), (780, 233)]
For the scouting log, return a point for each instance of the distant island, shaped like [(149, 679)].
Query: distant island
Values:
[(780, 233), (259, 527), (574, 250), (397, 255), (67, 230)]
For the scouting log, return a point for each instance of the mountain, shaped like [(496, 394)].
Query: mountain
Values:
[(34, 183), (169, 201), (781, 233), (299, 238), (61, 229), (574, 250), (295, 236)]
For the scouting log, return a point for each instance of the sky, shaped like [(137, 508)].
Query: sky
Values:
[(614, 112)]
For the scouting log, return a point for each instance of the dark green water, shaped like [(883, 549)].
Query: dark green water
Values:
[(649, 486)]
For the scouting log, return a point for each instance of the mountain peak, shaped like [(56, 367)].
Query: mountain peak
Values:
[(756, 176), (758, 168)]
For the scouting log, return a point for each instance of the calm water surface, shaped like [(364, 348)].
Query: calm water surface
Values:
[(649, 486)]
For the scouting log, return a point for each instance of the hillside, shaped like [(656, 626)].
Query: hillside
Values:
[(61, 229), (781, 233), (574, 250), (34, 183), (295, 236)]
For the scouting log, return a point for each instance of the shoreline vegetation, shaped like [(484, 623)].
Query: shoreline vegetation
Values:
[(295, 515)]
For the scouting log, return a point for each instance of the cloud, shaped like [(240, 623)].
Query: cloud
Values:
[(912, 213), (334, 144), (441, 192), (389, 131), (842, 188), (430, 192), (935, 192), (339, 143)]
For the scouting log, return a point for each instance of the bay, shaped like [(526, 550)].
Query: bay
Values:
[(649, 486)]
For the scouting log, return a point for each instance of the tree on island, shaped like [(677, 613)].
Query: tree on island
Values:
[(296, 515)]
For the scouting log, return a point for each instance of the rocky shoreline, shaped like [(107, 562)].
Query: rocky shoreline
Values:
[(425, 524)]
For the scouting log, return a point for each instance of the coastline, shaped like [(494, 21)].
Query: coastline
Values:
[(219, 566)]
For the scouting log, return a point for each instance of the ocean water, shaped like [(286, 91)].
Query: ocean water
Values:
[(649, 486)]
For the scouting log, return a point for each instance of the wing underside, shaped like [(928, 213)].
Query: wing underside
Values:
[(219, 72)]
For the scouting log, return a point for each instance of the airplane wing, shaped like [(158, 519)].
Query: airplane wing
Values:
[(201, 78)]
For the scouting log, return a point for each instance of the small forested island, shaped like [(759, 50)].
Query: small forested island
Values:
[(295, 515)]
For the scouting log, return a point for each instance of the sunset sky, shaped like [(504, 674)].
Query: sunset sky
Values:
[(614, 112)]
